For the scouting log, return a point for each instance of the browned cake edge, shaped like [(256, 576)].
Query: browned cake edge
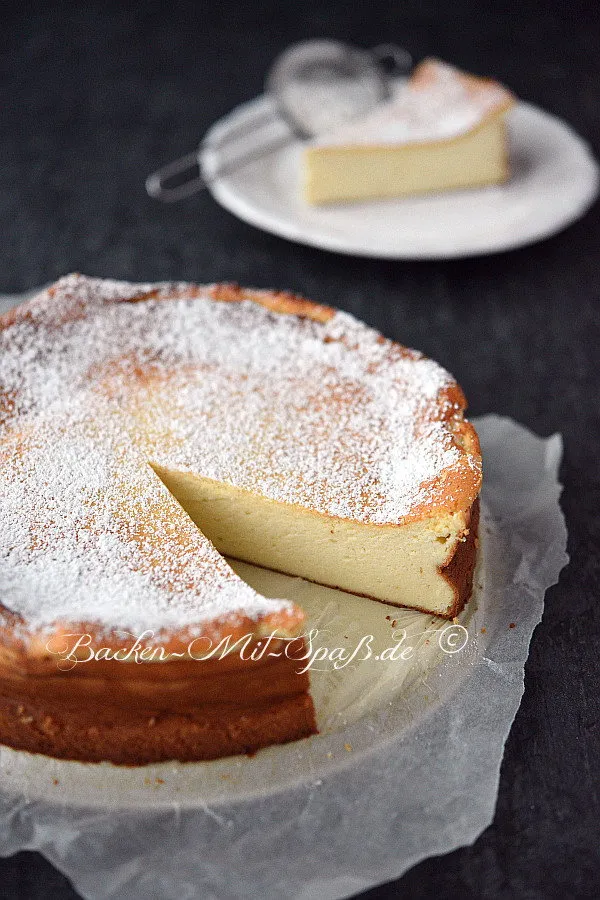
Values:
[(185, 738), (182, 710), (460, 568)]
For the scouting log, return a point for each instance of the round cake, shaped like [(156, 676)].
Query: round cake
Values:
[(150, 431)]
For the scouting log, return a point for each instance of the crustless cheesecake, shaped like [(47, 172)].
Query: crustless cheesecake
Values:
[(148, 431)]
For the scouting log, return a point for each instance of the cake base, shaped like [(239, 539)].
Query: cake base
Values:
[(185, 738), (186, 710)]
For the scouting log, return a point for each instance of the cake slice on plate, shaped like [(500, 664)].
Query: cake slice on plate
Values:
[(444, 130)]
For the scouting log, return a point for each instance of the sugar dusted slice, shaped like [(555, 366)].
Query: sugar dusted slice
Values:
[(443, 131)]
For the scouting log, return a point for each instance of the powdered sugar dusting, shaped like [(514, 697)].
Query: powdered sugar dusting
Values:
[(319, 414), (446, 105)]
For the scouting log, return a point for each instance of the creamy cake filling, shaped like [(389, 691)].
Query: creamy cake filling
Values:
[(384, 562)]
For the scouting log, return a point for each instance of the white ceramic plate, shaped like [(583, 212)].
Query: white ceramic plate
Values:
[(554, 181)]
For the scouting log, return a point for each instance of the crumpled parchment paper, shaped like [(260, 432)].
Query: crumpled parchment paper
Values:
[(406, 765)]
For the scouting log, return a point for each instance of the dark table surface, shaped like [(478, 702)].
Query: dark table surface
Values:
[(97, 95)]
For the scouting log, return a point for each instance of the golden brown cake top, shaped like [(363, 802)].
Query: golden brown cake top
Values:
[(270, 393), (439, 102)]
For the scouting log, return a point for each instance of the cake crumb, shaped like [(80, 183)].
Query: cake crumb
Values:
[(48, 726), (348, 747)]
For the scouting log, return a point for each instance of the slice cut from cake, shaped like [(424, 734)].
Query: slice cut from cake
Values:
[(444, 130), (296, 438)]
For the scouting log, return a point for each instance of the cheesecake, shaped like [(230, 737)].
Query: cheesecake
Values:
[(151, 431), (442, 131)]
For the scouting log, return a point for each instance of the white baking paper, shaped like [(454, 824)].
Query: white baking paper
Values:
[(406, 764)]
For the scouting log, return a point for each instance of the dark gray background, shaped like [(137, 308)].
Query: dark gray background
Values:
[(96, 96)]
